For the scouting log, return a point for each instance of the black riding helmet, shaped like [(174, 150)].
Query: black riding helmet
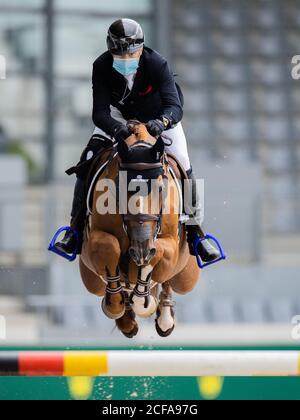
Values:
[(125, 36)]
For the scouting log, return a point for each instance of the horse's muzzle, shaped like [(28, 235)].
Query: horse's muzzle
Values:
[(142, 253)]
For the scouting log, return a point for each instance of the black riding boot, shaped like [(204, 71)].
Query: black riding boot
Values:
[(206, 250), (78, 215), (95, 147)]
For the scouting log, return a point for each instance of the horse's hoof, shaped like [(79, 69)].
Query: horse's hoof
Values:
[(168, 318), (112, 315), (138, 306), (133, 333), (127, 321), (162, 333)]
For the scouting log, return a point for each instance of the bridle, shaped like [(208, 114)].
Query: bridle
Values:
[(143, 218)]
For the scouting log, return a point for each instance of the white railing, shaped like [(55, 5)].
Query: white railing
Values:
[(151, 363)]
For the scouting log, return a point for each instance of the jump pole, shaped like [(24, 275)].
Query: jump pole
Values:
[(150, 363)]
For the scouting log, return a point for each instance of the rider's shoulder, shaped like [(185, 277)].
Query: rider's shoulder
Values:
[(103, 60), (154, 55), (154, 61)]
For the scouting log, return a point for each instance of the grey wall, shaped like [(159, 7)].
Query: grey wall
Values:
[(12, 182), (233, 206)]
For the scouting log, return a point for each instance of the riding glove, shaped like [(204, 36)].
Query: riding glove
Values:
[(121, 133), (155, 127)]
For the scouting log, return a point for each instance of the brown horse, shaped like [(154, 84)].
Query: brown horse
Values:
[(127, 255)]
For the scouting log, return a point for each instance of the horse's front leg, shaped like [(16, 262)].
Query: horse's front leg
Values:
[(104, 252), (160, 270), (143, 303), (166, 259)]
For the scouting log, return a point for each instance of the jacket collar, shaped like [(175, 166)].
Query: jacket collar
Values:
[(138, 76)]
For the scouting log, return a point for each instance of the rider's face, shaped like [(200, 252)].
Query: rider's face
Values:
[(127, 56)]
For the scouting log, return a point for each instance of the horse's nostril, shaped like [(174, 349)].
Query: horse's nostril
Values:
[(137, 257), (152, 253)]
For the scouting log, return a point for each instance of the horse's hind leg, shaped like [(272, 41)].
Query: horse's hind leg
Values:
[(165, 321), (186, 280), (93, 283), (127, 324), (182, 283)]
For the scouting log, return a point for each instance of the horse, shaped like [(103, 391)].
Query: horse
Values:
[(135, 260)]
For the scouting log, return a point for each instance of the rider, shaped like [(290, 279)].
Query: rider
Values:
[(132, 81)]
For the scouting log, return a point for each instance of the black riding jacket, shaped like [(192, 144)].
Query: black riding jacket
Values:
[(153, 94)]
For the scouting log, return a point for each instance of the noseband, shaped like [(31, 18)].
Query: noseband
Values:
[(142, 218)]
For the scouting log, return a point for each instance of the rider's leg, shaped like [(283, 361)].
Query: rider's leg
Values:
[(179, 149), (96, 145), (205, 249), (69, 243)]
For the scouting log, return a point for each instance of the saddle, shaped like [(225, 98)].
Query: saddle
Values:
[(97, 168), (181, 175), (177, 168), (105, 158)]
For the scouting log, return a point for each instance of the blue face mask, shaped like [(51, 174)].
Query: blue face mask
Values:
[(126, 66)]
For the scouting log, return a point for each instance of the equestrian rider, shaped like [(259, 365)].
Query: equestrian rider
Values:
[(134, 82)]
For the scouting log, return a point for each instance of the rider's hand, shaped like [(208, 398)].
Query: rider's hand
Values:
[(121, 133), (155, 127)]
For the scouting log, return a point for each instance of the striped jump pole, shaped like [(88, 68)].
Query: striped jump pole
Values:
[(150, 363)]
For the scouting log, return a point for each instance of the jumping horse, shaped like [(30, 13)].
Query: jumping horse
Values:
[(135, 260)]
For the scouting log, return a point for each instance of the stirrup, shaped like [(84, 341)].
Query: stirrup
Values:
[(52, 247), (215, 240)]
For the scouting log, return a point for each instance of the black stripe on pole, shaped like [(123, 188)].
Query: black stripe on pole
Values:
[(9, 363)]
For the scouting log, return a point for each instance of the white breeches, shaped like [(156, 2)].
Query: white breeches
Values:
[(178, 148)]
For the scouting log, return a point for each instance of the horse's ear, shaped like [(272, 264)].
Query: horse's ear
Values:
[(123, 149), (159, 147)]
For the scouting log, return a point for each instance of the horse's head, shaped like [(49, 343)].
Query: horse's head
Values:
[(141, 164)]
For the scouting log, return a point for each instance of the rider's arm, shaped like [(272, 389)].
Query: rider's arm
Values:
[(101, 102), (172, 108)]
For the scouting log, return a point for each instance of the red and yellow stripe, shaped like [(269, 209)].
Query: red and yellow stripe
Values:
[(44, 363)]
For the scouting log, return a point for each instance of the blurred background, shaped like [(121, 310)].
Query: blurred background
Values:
[(242, 120)]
